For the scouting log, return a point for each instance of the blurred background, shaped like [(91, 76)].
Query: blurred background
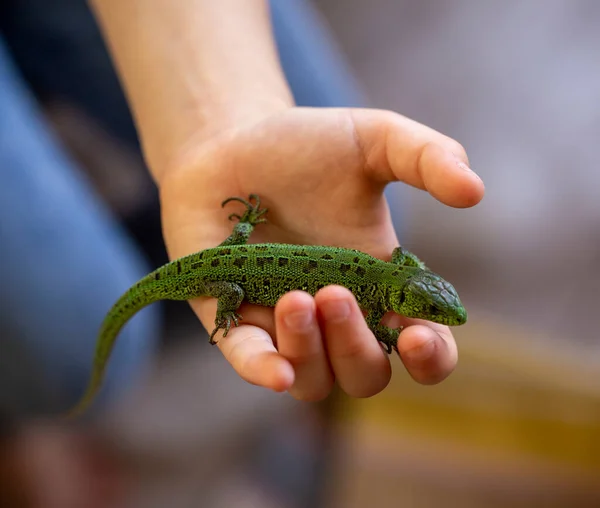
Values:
[(518, 423)]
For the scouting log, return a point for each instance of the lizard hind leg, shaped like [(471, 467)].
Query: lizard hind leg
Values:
[(229, 298), (246, 222), (253, 214)]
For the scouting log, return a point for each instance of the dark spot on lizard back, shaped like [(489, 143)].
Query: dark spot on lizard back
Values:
[(360, 271), (356, 260), (300, 253), (225, 252), (178, 266), (396, 273), (262, 261), (371, 261), (215, 262), (326, 256), (344, 267), (243, 249), (157, 276), (261, 248), (240, 261), (283, 261), (197, 264), (310, 266)]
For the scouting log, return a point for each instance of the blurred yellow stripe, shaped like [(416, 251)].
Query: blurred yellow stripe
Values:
[(512, 394)]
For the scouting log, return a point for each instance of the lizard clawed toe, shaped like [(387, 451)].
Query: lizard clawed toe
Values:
[(388, 337), (224, 323), (211, 339), (253, 214)]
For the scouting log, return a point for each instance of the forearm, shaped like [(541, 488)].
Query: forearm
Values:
[(192, 68)]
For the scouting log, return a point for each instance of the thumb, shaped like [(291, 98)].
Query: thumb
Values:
[(396, 148)]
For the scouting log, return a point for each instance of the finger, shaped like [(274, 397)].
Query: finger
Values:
[(428, 352), (396, 148), (358, 361), (252, 354), (299, 341), (249, 348)]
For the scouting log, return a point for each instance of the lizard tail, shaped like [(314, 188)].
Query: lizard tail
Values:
[(134, 300)]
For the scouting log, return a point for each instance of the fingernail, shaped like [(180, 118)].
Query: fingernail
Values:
[(421, 353), (336, 310), (299, 320), (462, 165)]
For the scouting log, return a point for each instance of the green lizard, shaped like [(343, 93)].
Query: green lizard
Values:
[(236, 271)]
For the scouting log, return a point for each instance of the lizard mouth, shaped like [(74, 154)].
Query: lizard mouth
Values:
[(460, 317), (454, 317)]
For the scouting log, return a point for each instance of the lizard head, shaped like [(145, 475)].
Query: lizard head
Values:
[(428, 296)]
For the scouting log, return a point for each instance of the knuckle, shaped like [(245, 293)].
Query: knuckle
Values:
[(344, 346)]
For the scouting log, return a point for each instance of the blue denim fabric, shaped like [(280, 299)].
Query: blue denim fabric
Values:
[(63, 257), (313, 64)]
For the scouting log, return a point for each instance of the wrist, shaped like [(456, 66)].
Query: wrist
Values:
[(192, 70)]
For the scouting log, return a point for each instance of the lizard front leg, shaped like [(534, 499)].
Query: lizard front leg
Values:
[(387, 336), (246, 222), (229, 298)]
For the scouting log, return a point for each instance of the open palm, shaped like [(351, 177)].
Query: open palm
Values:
[(321, 173)]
